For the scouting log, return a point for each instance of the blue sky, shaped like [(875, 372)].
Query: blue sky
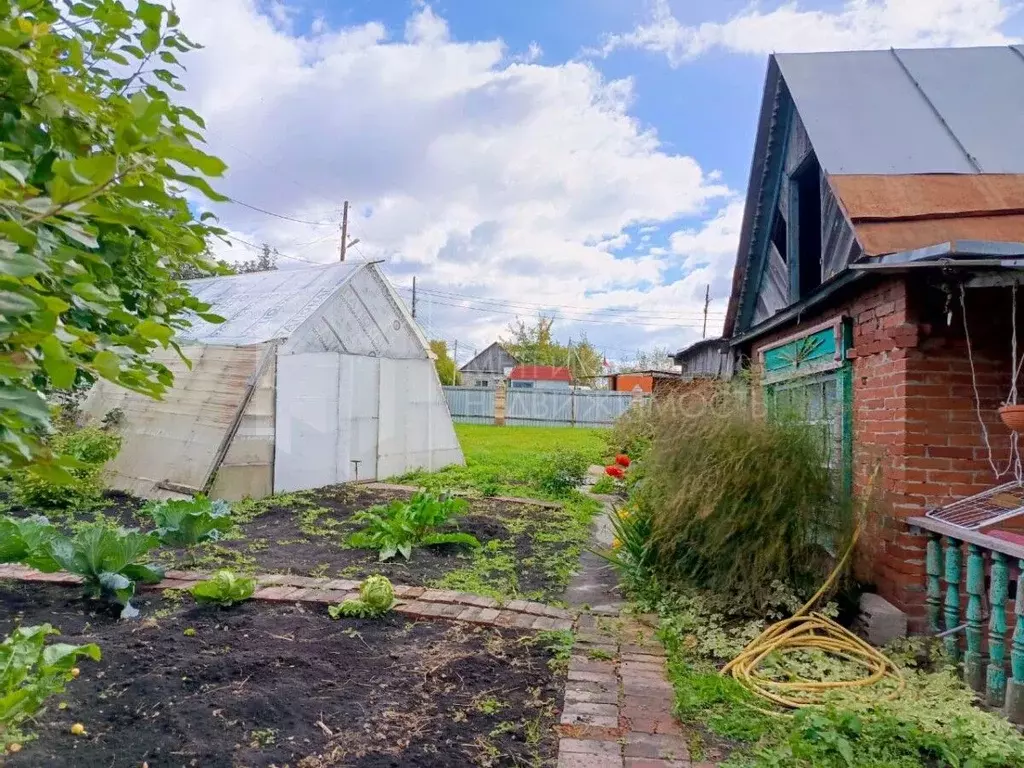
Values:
[(585, 158)]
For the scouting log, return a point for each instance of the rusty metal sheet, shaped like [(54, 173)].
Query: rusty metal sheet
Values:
[(878, 238), (177, 439), (867, 198)]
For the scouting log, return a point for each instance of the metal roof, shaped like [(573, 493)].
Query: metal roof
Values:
[(262, 306), (937, 110)]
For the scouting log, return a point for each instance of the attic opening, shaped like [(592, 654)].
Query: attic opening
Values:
[(806, 185)]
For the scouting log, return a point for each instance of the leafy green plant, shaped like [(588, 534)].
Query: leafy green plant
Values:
[(96, 161), (632, 549), (559, 644), (605, 485), (633, 431), (376, 597), (31, 672), (562, 473), (109, 560), (85, 451), (224, 588), (26, 540), (188, 522), (396, 528)]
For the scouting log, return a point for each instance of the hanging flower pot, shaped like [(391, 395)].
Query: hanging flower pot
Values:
[(1013, 417)]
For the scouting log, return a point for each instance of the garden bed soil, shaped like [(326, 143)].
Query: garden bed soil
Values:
[(304, 534), (264, 684)]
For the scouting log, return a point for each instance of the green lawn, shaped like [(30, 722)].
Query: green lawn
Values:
[(507, 460)]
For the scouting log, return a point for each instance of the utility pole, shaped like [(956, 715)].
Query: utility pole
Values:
[(414, 297), (344, 230), (707, 301), (455, 354)]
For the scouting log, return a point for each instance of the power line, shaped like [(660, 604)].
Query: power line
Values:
[(640, 321), (282, 216), (260, 248), (571, 308)]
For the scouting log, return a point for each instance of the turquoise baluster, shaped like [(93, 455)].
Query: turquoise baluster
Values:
[(933, 566), (1015, 688), (952, 607), (999, 593), (974, 666)]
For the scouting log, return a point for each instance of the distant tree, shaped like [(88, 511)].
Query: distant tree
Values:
[(444, 363), (654, 359), (534, 344), (265, 262)]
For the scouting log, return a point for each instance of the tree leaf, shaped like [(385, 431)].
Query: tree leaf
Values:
[(151, 329), (58, 367), (150, 40), (107, 364), (15, 304)]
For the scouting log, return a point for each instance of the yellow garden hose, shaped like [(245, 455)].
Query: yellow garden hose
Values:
[(811, 631)]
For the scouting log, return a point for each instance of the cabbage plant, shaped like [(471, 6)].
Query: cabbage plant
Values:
[(26, 540), (185, 523), (109, 560), (376, 597), (224, 588)]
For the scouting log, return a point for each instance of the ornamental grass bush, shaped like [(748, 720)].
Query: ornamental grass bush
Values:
[(739, 501)]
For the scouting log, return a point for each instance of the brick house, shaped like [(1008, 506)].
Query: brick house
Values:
[(885, 205)]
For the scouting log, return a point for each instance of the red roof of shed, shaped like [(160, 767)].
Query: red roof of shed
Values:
[(540, 373)]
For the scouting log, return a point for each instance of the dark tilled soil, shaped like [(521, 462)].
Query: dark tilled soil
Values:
[(306, 537), (269, 685)]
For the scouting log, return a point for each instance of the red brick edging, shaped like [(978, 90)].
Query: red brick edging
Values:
[(416, 602)]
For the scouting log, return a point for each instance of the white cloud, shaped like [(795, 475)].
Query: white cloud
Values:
[(795, 27), (477, 169)]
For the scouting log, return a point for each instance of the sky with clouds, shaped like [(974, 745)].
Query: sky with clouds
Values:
[(584, 158)]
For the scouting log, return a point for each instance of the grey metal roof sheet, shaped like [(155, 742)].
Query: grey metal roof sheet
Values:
[(940, 110), (262, 306)]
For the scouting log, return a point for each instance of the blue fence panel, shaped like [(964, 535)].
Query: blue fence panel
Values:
[(471, 405)]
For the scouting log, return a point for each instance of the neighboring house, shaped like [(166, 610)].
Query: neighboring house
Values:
[(489, 368), (706, 359), (540, 377), (647, 382), (316, 376), (885, 203)]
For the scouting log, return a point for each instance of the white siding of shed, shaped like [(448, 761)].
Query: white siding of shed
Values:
[(416, 430), (327, 413)]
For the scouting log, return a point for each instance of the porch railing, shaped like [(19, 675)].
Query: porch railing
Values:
[(956, 563)]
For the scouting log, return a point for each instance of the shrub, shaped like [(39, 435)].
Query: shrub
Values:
[(224, 588), (739, 502), (89, 448), (376, 597), (109, 560), (562, 473), (604, 485), (31, 672), (633, 432), (396, 528)]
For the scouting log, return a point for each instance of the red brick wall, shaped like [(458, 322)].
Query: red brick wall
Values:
[(914, 413)]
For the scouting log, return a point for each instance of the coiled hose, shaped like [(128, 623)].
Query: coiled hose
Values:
[(812, 631)]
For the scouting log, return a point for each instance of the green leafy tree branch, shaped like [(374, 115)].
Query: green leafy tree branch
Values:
[(96, 160)]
